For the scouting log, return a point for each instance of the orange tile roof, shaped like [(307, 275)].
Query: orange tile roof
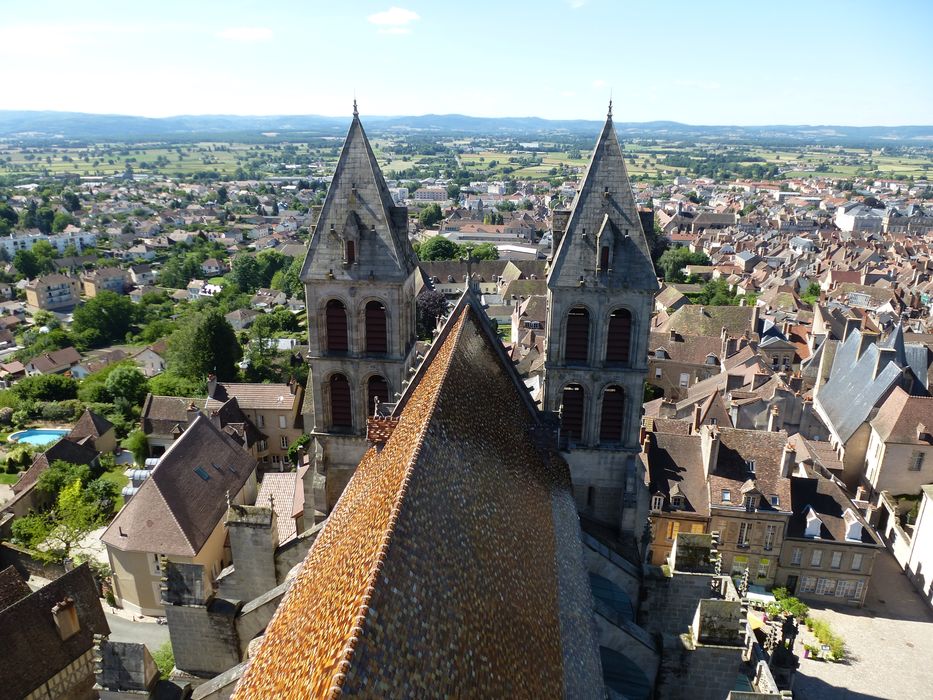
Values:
[(442, 569)]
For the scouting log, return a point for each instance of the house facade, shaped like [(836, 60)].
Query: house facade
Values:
[(53, 292)]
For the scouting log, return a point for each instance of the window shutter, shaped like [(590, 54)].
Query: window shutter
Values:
[(610, 425), (377, 341), (577, 340), (336, 323), (620, 337), (341, 414), (572, 413)]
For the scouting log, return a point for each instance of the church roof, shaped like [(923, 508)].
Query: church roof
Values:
[(604, 205), (451, 564), (359, 207)]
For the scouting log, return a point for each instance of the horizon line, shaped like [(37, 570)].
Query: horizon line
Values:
[(448, 114)]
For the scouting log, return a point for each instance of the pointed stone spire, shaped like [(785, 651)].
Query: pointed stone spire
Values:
[(604, 214)]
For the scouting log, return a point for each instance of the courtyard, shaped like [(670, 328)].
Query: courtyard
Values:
[(889, 644)]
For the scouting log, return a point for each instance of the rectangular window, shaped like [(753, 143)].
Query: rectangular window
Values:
[(739, 564), (770, 532), (807, 584), (856, 562), (657, 372), (673, 527), (283, 442), (817, 558), (261, 446), (283, 422), (684, 379), (836, 561), (764, 567), (260, 420), (696, 528), (857, 594), (796, 556), (916, 461), (744, 530), (845, 589), (726, 496), (826, 586)]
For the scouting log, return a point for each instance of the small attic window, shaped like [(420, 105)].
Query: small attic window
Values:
[(657, 502), (726, 496), (775, 501), (677, 502), (200, 471), (750, 464)]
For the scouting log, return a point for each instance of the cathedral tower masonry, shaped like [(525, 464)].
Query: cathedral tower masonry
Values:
[(359, 278), (601, 284)]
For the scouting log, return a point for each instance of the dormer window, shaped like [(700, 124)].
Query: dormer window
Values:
[(726, 496), (749, 503), (677, 502), (657, 502), (660, 354), (814, 524), (775, 500), (853, 527), (712, 360), (750, 465)]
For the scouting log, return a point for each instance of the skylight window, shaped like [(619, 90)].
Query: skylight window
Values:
[(200, 471)]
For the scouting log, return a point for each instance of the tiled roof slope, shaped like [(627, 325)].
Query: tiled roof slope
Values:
[(90, 424), (899, 416), (176, 509), (33, 651), (604, 204), (451, 565)]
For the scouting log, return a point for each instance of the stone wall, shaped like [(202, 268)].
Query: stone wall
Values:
[(25, 564), (701, 673), (671, 603), (204, 639)]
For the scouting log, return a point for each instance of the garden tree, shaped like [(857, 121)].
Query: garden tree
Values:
[(171, 384), (453, 191), (74, 516), (291, 279), (60, 474), (429, 306), (31, 530), (44, 218), (179, 270), (127, 383), (246, 273), (8, 214), (5, 230), (271, 261), (484, 251), (672, 262), (205, 343), (27, 217), (261, 333), (156, 330), (138, 444), (45, 255), (438, 248), (61, 221), (103, 494), (26, 264), (430, 215), (103, 319), (46, 387), (284, 321), (222, 197), (716, 293), (71, 201)]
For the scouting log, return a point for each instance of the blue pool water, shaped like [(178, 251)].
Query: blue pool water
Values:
[(37, 437)]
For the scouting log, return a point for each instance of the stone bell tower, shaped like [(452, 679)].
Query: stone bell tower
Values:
[(601, 285), (359, 278)]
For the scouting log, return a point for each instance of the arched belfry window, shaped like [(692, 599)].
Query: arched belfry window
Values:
[(376, 388), (619, 338), (341, 411), (612, 416), (377, 341), (350, 252), (573, 404), (577, 338), (335, 316)]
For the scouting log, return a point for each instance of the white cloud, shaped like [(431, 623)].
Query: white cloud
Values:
[(245, 34), (393, 17), (576, 4), (599, 83)]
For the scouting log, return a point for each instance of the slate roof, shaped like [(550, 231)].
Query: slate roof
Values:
[(33, 651), (677, 461), (853, 389), (176, 508), (427, 581), (829, 502), (604, 205)]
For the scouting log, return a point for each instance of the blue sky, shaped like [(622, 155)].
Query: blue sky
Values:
[(714, 62)]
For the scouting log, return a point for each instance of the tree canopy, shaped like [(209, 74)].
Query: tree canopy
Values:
[(103, 319), (438, 248), (203, 344), (673, 261)]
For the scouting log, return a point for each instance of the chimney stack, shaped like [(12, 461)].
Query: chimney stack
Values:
[(697, 417), (774, 420), (709, 444), (788, 458)]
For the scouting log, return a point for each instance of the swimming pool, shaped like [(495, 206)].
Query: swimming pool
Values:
[(36, 436)]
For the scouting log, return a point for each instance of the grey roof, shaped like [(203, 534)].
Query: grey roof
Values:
[(918, 359), (853, 389), (358, 207), (604, 205)]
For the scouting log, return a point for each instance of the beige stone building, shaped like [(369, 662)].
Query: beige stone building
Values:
[(111, 279), (178, 514), (899, 457), (829, 550), (53, 292), (676, 362)]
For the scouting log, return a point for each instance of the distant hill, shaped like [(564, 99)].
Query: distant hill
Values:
[(56, 126)]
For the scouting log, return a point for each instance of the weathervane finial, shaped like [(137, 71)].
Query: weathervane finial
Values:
[(609, 114), (355, 111)]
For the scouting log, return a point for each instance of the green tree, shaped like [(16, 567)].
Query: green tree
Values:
[(26, 264), (59, 474), (104, 319), (45, 255), (164, 659), (31, 530), (74, 516), (222, 197), (44, 218), (429, 306), (128, 384), (430, 215), (46, 387), (439, 248), (246, 273), (484, 251), (71, 202), (138, 444), (203, 344), (8, 214), (171, 384), (61, 221), (27, 217), (453, 191), (673, 261)]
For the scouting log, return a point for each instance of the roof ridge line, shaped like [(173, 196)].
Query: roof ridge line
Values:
[(363, 612)]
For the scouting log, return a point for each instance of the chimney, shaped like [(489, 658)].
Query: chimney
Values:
[(292, 386), (774, 419), (697, 417), (788, 458), (885, 356), (65, 616), (867, 339), (754, 319), (211, 385), (192, 412), (851, 325), (709, 445)]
